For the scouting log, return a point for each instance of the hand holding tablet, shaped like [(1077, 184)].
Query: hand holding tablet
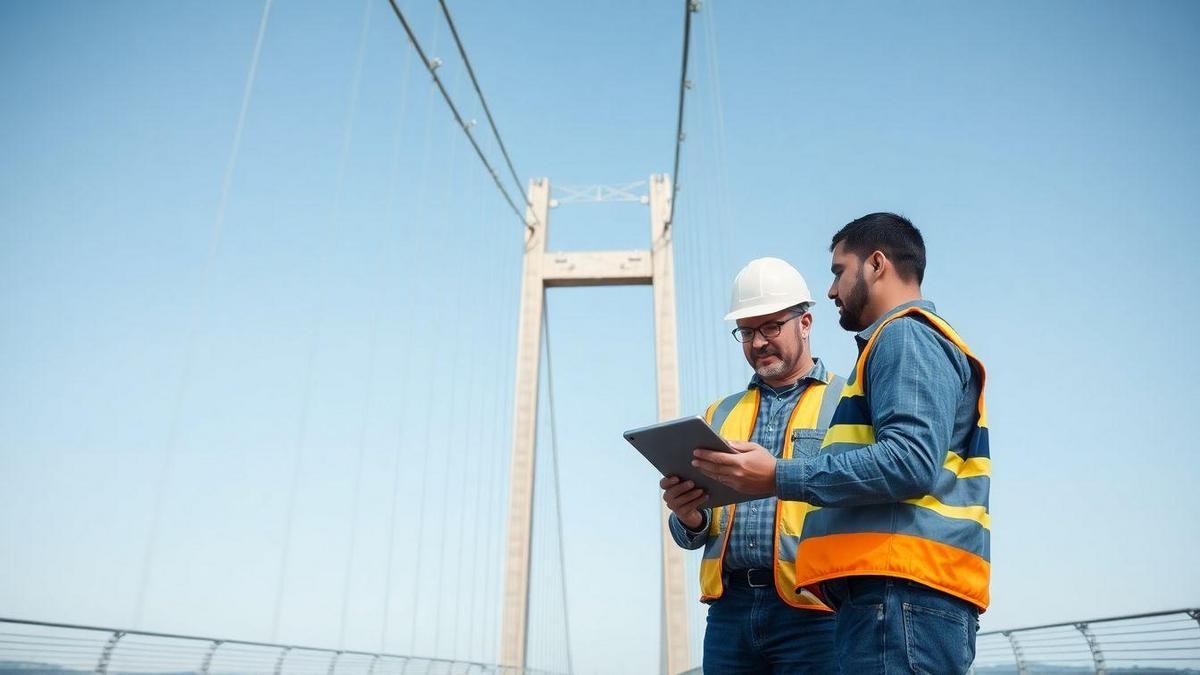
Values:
[(669, 447)]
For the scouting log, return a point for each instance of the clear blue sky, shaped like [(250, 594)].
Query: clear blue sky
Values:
[(1049, 152)]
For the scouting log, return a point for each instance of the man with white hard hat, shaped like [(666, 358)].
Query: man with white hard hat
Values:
[(758, 621)]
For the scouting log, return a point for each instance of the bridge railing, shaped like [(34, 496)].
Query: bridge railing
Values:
[(58, 649), (1158, 642)]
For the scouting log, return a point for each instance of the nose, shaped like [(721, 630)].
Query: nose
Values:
[(759, 340), (832, 292)]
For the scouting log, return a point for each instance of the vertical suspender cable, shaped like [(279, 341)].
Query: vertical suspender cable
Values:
[(722, 191), (394, 177), (702, 300), (422, 452), (372, 349), (474, 446), (501, 411), (198, 311), (451, 456), (474, 419), (690, 270), (710, 287), (704, 285), (316, 330), (562, 564), (432, 407)]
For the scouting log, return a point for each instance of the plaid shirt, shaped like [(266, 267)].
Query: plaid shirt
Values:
[(751, 542)]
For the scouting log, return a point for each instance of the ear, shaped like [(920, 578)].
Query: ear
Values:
[(806, 325), (875, 264)]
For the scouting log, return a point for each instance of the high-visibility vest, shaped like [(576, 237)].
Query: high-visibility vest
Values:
[(734, 417), (941, 539)]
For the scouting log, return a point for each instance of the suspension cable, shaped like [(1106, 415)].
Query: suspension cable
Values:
[(450, 457), (318, 322), (408, 338), (432, 67), (689, 6), (198, 312), (431, 408), (486, 110), (368, 395)]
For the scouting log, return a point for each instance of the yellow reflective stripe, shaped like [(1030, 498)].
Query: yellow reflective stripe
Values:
[(978, 514), (855, 388), (860, 434), (976, 466), (804, 415), (739, 424)]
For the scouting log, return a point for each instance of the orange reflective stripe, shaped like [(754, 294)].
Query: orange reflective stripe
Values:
[(897, 555)]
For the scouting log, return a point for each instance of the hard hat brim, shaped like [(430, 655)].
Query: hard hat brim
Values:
[(760, 310)]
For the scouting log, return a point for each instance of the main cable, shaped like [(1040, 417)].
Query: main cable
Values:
[(432, 68), (486, 110), (689, 6)]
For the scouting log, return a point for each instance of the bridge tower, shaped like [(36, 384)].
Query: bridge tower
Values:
[(544, 270)]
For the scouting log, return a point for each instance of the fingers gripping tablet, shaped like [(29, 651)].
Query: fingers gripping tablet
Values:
[(669, 445)]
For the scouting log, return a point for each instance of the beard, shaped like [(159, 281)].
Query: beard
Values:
[(781, 365), (853, 306), (774, 370)]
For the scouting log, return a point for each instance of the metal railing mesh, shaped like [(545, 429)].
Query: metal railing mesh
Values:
[(44, 648), (1159, 642), (1147, 644)]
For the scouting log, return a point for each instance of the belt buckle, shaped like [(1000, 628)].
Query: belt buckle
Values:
[(750, 580)]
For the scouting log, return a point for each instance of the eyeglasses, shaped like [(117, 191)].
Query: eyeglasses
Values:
[(768, 330)]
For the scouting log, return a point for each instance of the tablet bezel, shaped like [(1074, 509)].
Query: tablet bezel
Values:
[(669, 445)]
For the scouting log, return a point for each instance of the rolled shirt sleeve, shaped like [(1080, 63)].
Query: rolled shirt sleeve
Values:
[(686, 537), (915, 379)]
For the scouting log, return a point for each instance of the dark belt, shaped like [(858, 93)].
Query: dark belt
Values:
[(757, 577)]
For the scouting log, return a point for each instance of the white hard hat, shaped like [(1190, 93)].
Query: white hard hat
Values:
[(765, 286)]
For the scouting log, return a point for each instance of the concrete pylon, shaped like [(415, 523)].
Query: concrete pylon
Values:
[(542, 270)]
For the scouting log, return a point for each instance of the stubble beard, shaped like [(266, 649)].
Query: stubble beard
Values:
[(773, 370)]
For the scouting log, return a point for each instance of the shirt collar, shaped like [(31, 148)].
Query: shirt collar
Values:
[(816, 374), (865, 334)]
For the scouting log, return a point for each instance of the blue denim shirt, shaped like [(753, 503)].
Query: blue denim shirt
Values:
[(922, 393), (752, 540)]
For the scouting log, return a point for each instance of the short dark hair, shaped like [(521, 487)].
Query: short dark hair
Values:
[(892, 234)]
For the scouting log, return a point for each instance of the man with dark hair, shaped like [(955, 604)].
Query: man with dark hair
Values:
[(900, 543)]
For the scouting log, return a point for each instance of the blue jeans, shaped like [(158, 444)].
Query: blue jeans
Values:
[(751, 630), (888, 625)]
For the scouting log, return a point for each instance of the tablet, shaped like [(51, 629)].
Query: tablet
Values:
[(669, 446)]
